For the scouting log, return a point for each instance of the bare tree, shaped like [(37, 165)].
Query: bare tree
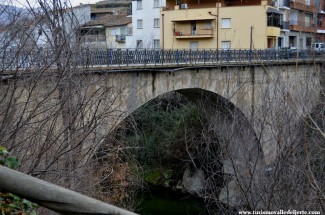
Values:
[(53, 116)]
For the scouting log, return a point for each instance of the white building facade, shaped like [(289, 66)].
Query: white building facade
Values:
[(146, 24)]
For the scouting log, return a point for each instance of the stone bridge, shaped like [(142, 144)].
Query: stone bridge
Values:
[(266, 95), (269, 98), (261, 92)]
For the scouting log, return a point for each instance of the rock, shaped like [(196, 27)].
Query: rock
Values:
[(231, 194), (193, 181)]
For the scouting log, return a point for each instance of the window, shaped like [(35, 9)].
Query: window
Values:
[(319, 21), (139, 23), (156, 23), (139, 4), (273, 19), (156, 3), (208, 24), (225, 44), (129, 31), (225, 23), (194, 45), (156, 44), (308, 41), (308, 20), (280, 42), (139, 44)]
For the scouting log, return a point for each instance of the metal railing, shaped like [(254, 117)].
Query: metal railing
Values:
[(302, 26), (179, 32), (120, 38), (285, 25), (93, 38), (52, 196), (154, 57), (138, 57)]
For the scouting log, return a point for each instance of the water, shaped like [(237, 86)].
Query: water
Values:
[(164, 201)]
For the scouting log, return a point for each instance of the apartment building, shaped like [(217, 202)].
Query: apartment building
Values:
[(320, 34), (210, 24), (106, 32), (298, 25), (146, 24)]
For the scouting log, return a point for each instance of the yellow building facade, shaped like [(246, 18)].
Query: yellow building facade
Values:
[(219, 24)]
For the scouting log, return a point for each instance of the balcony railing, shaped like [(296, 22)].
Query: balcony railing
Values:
[(302, 26), (120, 38), (187, 33), (303, 5), (93, 38), (225, 3), (284, 25), (189, 6)]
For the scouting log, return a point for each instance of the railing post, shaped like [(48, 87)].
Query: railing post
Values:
[(127, 57), (110, 57), (145, 57), (162, 57), (120, 57), (204, 56), (190, 55), (177, 56), (217, 55), (250, 55)]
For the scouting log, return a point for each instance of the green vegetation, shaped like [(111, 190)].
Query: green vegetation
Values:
[(9, 203), (160, 131)]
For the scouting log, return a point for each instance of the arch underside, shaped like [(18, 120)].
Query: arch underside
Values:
[(239, 148)]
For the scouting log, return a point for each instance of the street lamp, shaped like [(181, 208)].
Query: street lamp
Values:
[(217, 27)]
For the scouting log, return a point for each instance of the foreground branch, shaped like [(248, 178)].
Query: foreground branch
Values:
[(52, 196)]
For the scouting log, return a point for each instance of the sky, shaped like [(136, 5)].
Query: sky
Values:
[(77, 2), (21, 3)]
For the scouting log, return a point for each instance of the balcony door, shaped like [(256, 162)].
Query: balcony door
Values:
[(280, 42), (193, 27), (122, 30)]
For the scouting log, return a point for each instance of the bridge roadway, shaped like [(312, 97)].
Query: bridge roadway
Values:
[(132, 59)]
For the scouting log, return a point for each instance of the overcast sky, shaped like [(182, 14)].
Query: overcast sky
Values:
[(21, 3), (77, 2)]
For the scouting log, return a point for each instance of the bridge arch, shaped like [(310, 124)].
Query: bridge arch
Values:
[(240, 150), (253, 93), (254, 90)]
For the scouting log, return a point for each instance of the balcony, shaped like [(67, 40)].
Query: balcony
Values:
[(303, 5), (93, 38), (120, 38), (302, 26), (182, 33), (284, 26), (172, 6)]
